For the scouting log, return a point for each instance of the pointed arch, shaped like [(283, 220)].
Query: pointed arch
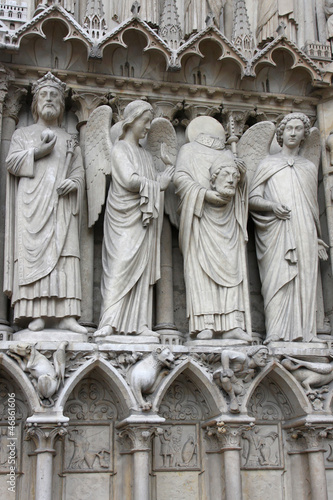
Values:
[(23, 382), (117, 384), (201, 379), (291, 389)]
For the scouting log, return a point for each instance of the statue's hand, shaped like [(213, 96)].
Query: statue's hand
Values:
[(227, 373), (164, 156), (45, 147), (166, 177), (322, 250), (66, 187), (281, 211), (214, 198)]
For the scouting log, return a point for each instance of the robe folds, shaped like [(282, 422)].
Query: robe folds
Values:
[(42, 268), (287, 250), (131, 245), (212, 240)]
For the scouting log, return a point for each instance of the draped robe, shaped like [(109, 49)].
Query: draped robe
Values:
[(212, 240), (42, 268), (131, 245), (287, 250)]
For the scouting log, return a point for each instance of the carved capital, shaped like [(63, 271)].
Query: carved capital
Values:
[(44, 435), (137, 438), (228, 436), (308, 438), (13, 102), (86, 102)]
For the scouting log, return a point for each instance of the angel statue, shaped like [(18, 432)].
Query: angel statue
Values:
[(212, 187), (283, 202), (133, 214)]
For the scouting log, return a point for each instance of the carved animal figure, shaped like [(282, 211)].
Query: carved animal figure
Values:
[(147, 374), (46, 377), (311, 375)]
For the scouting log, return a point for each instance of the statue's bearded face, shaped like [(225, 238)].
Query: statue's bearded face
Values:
[(227, 180), (260, 357), (49, 103), (293, 133)]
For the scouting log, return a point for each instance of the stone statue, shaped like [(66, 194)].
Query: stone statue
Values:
[(44, 191), (311, 375), (133, 216), (328, 8), (146, 375), (46, 377), (212, 187), (283, 202), (237, 370)]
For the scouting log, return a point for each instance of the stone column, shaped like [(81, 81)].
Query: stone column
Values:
[(229, 436), (10, 104), (312, 438), (136, 440), (164, 291), (325, 121), (86, 102), (44, 436)]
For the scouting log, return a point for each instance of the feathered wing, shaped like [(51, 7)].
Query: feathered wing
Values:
[(162, 131), (254, 146), (98, 148), (311, 148)]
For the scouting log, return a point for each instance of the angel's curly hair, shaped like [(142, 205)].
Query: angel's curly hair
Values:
[(292, 116)]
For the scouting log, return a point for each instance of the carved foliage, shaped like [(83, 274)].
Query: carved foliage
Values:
[(269, 403), (184, 401)]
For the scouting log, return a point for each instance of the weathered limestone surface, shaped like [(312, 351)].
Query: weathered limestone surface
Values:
[(202, 367)]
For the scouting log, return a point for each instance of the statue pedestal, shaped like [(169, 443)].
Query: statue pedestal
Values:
[(127, 339), (50, 335)]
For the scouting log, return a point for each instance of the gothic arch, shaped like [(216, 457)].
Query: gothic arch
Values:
[(201, 379), (117, 384), (299, 59), (53, 13), (153, 41), (286, 383), (23, 382)]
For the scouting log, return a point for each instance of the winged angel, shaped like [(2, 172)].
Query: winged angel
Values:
[(134, 211), (283, 201)]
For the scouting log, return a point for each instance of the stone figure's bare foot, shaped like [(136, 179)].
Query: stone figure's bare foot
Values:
[(36, 325), (205, 335), (149, 333), (316, 340), (104, 331), (71, 324), (236, 334), (272, 338)]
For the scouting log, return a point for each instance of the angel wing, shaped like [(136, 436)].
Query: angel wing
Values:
[(162, 131), (98, 146), (255, 145), (311, 148)]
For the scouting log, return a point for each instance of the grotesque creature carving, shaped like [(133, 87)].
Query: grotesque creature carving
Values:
[(146, 375), (45, 376)]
